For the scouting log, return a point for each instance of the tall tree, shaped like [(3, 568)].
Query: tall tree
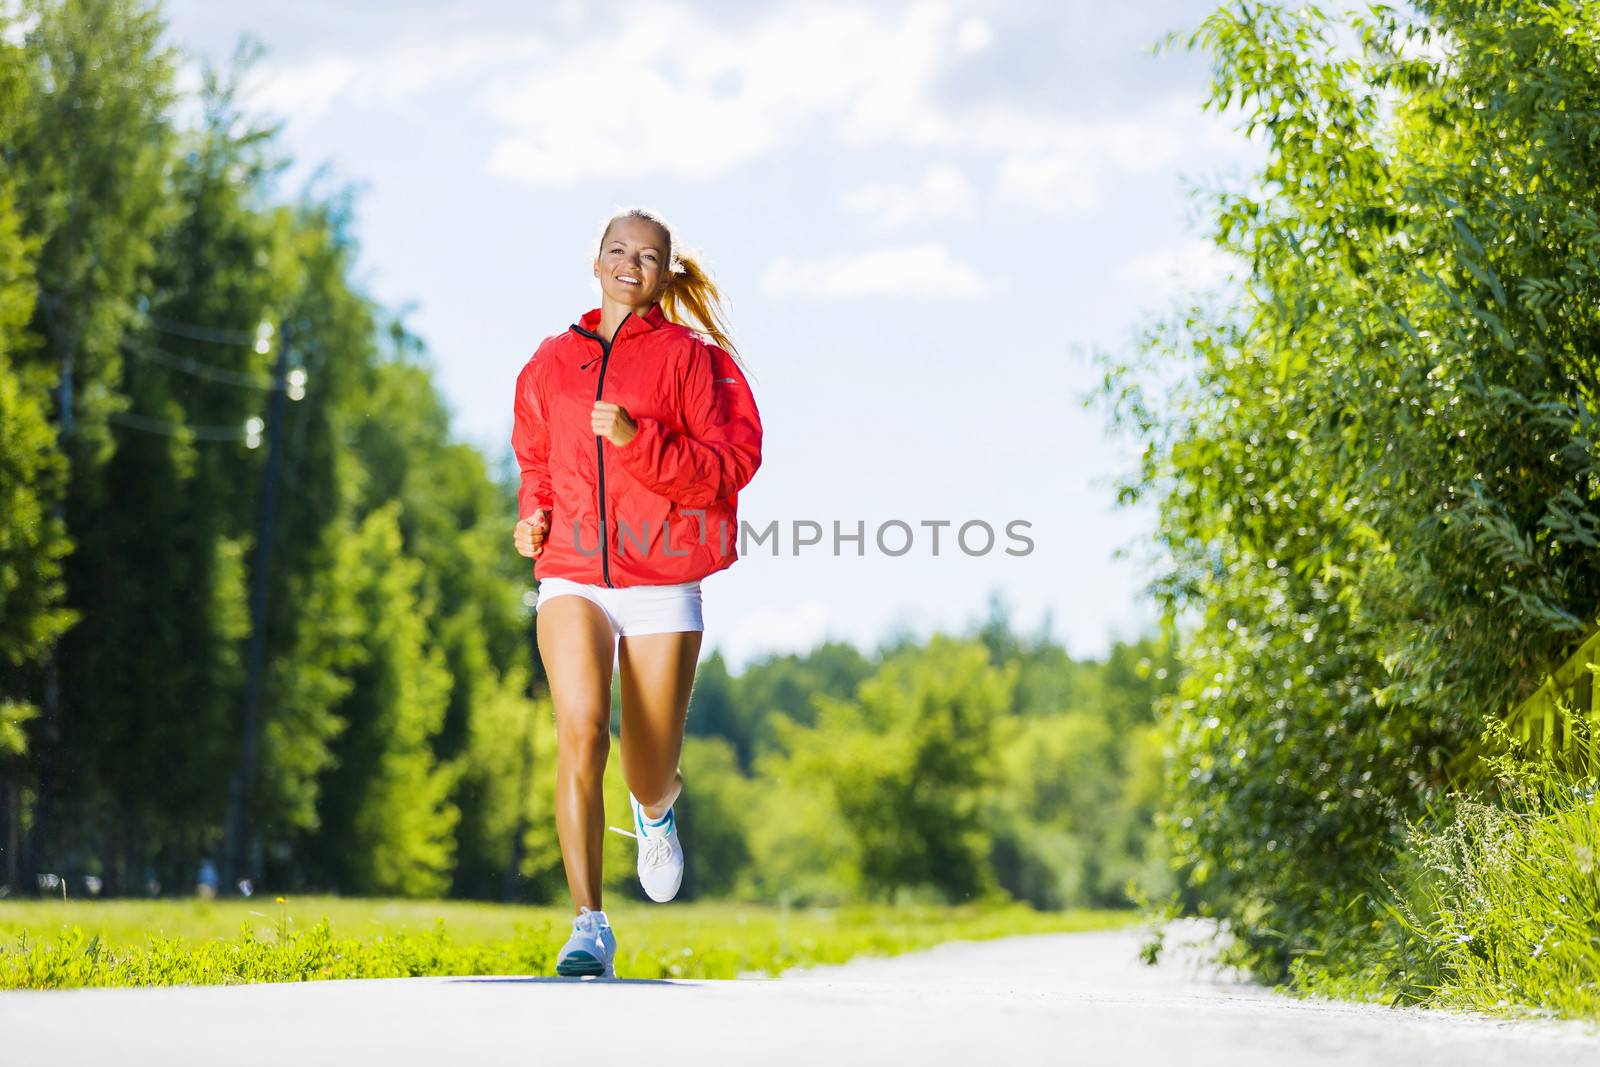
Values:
[(386, 822), (33, 536), (87, 157)]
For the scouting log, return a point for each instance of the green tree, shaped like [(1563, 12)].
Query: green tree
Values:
[(314, 626), (775, 688), (386, 821), (1380, 490), (906, 764), (33, 536), (32, 472), (1073, 812), (453, 519), (86, 157)]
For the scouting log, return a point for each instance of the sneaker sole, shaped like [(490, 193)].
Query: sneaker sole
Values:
[(580, 965), (661, 900)]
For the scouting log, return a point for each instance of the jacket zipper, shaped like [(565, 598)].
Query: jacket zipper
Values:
[(599, 443)]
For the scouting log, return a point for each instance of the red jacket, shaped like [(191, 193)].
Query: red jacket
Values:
[(668, 499)]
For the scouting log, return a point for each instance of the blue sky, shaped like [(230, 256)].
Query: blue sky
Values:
[(925, 216)]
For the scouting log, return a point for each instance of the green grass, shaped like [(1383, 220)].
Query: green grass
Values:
[(1494, 905), (57, 945)]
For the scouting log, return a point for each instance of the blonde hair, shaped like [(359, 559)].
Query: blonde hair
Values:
[(689, 297)]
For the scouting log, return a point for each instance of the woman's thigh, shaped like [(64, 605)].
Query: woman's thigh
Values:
[(576, 643), (657, 675)]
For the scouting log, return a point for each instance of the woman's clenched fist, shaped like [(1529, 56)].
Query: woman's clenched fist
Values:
[(528, 535), (612, 422)]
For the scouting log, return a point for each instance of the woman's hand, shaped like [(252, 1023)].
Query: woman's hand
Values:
[(612, 422), (528, 535)]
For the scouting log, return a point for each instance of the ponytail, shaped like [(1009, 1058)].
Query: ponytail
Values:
[(691, 292)]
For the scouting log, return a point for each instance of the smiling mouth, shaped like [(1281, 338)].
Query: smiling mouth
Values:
[(627, 279)]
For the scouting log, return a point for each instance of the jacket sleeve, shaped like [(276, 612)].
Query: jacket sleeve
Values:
[(721, 450), (530, 439)]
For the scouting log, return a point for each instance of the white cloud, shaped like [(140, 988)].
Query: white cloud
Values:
[(924, 270), (309, 87), (944, 191), (1061, 164), (695, 97), (418, 66), (1060, 183), (701, 96), (304, 90), (974, 35), (1194, 264)]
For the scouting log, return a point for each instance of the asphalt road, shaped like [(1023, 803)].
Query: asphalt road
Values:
[(1068, 999)]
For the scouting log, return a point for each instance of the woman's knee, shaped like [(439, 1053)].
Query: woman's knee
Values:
[(651, 787), (585, 741)]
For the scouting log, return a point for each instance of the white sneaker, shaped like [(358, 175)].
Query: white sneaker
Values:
[(591, 951), (660, 854)]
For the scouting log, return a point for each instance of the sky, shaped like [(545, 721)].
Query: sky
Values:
[(927, 218)]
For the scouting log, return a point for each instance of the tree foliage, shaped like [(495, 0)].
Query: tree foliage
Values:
[(1379, 490)]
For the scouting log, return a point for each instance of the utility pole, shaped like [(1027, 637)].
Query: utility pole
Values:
[(36, 845), (519, 829), (512, 891), (238, 830)]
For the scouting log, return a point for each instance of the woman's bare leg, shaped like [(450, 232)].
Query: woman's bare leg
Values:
[(657, 674), (575, 643)]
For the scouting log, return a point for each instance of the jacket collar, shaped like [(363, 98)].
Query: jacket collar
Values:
[(652, 318)]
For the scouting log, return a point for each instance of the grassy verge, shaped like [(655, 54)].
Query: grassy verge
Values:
[(58, 945), (1493, 907)]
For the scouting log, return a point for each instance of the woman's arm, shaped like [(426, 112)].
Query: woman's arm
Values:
[(719, 454), (530, 439)]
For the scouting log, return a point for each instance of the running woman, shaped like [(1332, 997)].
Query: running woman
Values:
[(634, 434)]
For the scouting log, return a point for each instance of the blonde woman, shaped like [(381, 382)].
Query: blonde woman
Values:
[(634, 434)]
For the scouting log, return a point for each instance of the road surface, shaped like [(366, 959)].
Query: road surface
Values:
[(1065, 998)]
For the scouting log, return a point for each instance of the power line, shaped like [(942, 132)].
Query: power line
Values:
[(215, 432), (208, 371), (214, 334)]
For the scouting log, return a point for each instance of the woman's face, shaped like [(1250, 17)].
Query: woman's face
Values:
[(632, 262)]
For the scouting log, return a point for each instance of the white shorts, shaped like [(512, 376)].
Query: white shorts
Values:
[(634, 609)]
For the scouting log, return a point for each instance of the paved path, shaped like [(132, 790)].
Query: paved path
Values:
[(1068, 999)]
